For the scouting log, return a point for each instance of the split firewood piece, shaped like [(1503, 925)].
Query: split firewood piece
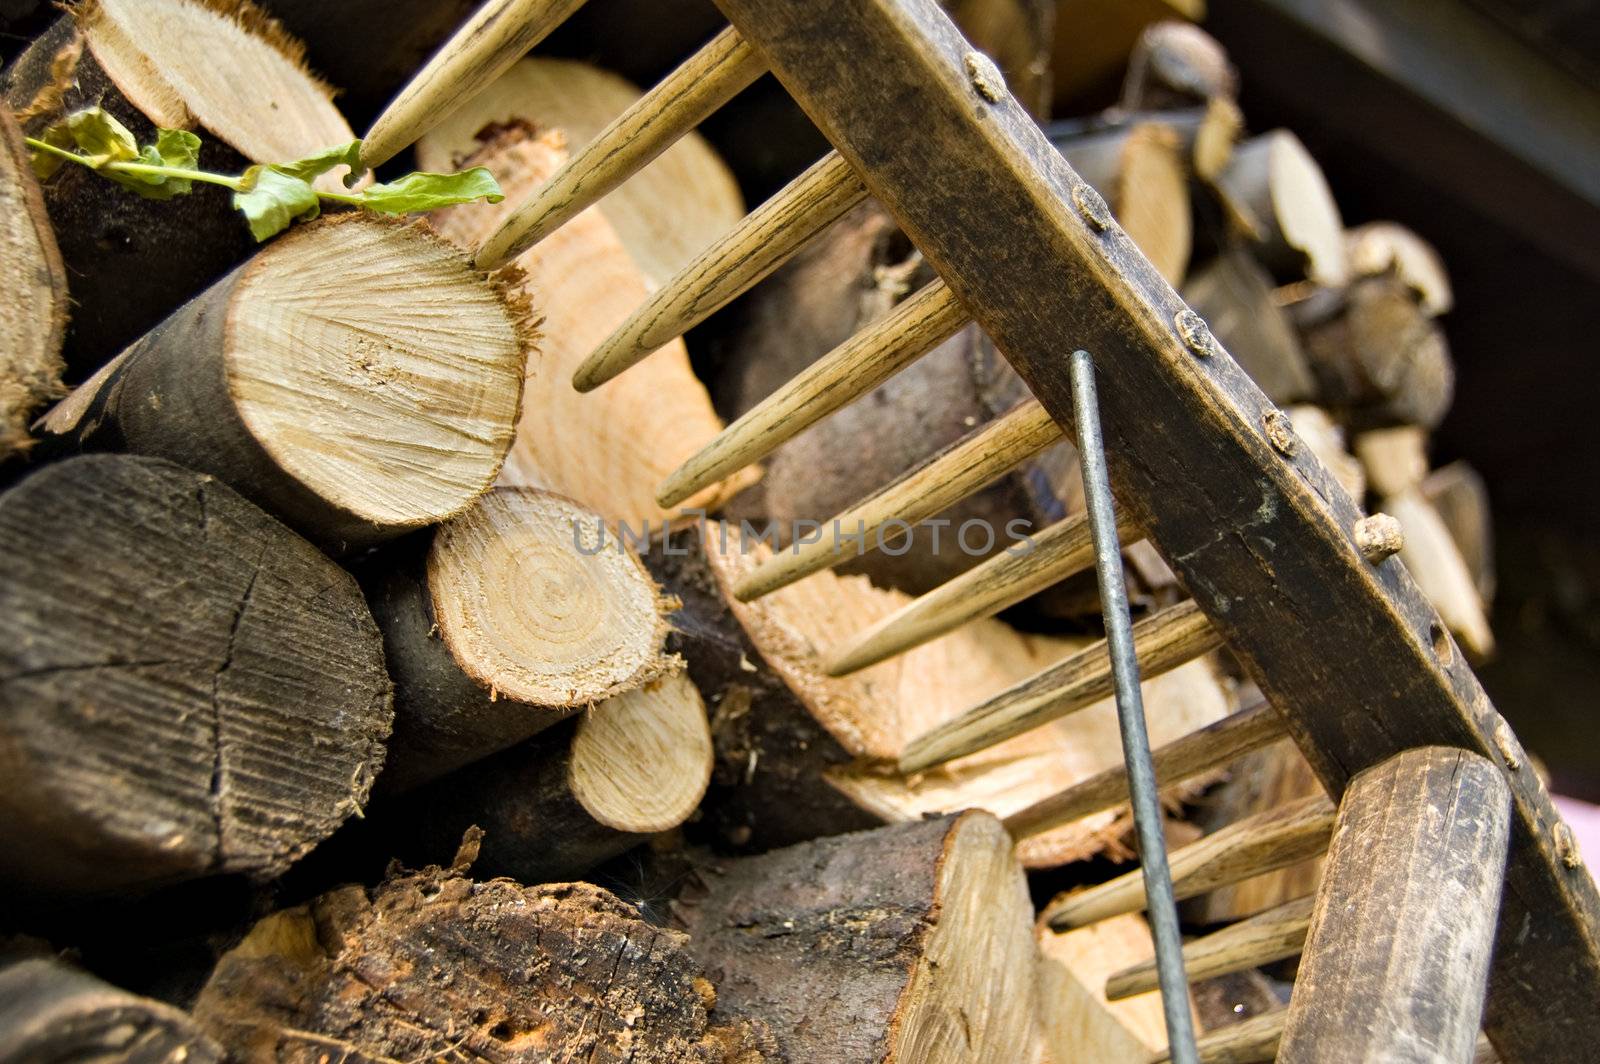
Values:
[(1191, 755), (1396, 463), (767, 238), (56, 1014), (909, 942), (1140, 170), (644, 128), (434, 966), (848, 282), (1238, 851), (965, 467), (1163, 642), (1380, 248), (368, 49), (1177, 64), (1235, 297), (486, 46), (1272, 935), (1268, 779), (1458, 493), (197, 689), (555, 807), (1079, 1021), (356, 377), (1377, 356), (1325, 437), (33, 311), (1274, 183), (1397, 957), (665, 214), (246, 90), (1252, 1041), (607, 451), (522, 611), (871, 714)]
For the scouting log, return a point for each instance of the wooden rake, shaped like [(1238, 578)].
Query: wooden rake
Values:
[(1283, 567)]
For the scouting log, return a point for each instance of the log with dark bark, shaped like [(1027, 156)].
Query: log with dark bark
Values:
[(192, 688), (912, 942), (519, 612), (33, 310), (368, 49), (555, 807), (434, 965), (357, 378), (51, 1013), (852, 275), (1376, 354), (245, 91)]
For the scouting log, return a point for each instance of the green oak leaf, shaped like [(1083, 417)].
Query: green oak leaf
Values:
[(271, 200), (314, 166), (426, 192)]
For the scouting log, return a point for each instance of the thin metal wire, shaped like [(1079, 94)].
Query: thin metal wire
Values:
[(1161, 906)]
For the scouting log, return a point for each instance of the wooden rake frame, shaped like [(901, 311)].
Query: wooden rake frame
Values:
[(1275, 553)]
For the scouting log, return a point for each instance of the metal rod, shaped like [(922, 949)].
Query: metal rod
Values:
[(1161, 907)]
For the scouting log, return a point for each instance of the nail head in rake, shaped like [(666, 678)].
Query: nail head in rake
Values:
[(1162, 906)]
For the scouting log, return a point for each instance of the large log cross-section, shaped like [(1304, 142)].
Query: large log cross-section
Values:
[(1261, 534)]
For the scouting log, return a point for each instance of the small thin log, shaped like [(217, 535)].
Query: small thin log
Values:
[(33, 311), (1238, 851), (555, 807), (356, 378), (1261, 939), (247, 93), (51, 1013), (1397, 962), (1175, 64), (434, 966), (197, 690), (1274, 183), (910, 942), (520, 612)]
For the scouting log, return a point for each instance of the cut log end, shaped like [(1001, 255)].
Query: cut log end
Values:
[(641, 762), (345, 332), (538, 605), (198, 690), (1275, 183)]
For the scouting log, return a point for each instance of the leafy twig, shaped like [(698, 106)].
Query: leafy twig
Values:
[(272, 196)]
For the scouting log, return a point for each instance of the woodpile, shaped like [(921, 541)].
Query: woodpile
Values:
[(357, 607)]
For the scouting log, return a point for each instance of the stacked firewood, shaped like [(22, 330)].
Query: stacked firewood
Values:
[(323, 589)]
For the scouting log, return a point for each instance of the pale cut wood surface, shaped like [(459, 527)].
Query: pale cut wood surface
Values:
[(164, 56), (499, 34), (946, 478), (1280, 188), (647, 127), (1434, 560), (844, 375), (1139, 169), (1325, 438), (641, 761), (1389, 247), (1268, 936), (1078, 1021), (762, 242), (1246, 848), (34, 304), (582, 101), (607, 451), (1252, 1041), (1397, 961), (1188, 755), (1163, 641), (873, 712)]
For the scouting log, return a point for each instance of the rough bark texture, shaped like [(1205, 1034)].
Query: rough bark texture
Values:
[(51, 1013), (191, 688), (131, 260), (434, 965), (767, 785), (33, 310), (368, 49), (852, 275), (834, 945)]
